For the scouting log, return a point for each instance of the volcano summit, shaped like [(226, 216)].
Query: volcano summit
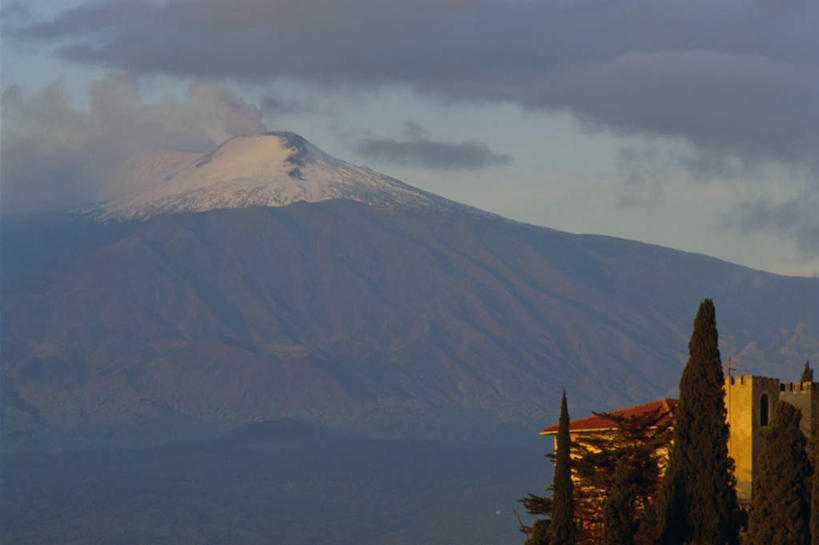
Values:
[(271, 169)]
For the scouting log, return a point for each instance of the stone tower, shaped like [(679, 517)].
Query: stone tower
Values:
[(750, 401)]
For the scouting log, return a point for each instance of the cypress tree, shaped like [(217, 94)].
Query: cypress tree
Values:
[(562, 528), (780, 514), (807, 376), (697, 502), (814, 510), (807, 373)]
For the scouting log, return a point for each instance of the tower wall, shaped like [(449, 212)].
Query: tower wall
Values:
[(805, 397), (743, 401)]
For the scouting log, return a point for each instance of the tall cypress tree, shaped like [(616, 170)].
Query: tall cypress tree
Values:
[(563, 530), (814, 510), (697, 502), (780, 514), (807, 373)]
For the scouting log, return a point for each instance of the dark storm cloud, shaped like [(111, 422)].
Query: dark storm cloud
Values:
[(731, 77), (749, 106), (417, 150), (796, 218), (421, 152), (55, 154)]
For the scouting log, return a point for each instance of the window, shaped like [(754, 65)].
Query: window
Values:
[(763, 410)]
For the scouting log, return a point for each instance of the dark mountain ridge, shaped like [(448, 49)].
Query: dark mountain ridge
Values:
[(347, 314)]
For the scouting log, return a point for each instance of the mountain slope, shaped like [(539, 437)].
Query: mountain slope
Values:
[(387, 305), (346, 313)]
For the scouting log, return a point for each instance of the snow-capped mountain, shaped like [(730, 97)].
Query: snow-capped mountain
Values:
[(347, 314), (271, 169)]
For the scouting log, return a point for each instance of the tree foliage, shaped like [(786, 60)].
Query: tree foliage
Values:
[(780, 513), (697, 502), (814, 510), (539, 532), (563, 529), (620, 522), (537, 505), (807, 373), (618, 475)]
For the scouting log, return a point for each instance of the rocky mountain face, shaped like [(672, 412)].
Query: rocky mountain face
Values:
[(193, 306)]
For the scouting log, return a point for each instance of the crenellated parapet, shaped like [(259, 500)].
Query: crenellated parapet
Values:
[(805, 397)]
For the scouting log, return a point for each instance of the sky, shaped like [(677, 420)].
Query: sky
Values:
[(690, 124)]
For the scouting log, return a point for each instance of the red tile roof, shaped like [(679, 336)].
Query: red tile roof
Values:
[(665, 406)]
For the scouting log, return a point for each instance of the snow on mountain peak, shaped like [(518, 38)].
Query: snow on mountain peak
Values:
[(269, 169)]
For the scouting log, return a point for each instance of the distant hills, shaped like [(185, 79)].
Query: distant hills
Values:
[(352, 300)]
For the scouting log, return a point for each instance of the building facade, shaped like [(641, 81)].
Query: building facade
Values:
[(750, 402)]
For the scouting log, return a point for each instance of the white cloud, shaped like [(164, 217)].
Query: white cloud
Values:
[(56, 154)]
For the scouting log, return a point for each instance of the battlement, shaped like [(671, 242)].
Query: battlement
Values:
[(799, 387), (805, 397), (752, 380)]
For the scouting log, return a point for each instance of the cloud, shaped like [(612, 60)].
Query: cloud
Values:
[(747, 106), (641, 166), (797, 219), (14, 11), (705, 164), (229, 113), (275, 105), (642, 170), (733, 78), (418, 151), (55, 154)]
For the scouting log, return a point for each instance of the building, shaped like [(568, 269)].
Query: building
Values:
[(597, 440), (599, 424), (749, 400)]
